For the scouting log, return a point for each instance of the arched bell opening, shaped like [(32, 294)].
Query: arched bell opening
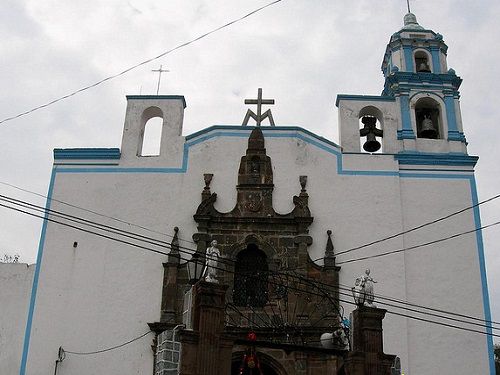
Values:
[(151, 131), (250, 278), (370, 129), (428, 119), (422, 62)]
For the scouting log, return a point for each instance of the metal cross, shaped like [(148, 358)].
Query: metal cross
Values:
[(259, 117), (160, 71)]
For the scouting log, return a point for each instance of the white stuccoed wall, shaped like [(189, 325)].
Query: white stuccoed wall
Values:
[(103, 293), (16, 280)]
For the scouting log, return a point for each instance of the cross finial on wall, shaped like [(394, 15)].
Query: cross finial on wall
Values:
[(259, 117), (160, 71)]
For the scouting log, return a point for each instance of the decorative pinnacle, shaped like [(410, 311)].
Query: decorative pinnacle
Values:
[(174, 245)]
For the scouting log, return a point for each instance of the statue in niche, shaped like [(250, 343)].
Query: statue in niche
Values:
[(212, 266), (363, 290)]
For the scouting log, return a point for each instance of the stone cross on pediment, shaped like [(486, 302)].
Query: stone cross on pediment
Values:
[(259, 117)]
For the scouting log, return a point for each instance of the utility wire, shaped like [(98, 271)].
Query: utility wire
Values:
[(420, 245), (91, 211), (414, 228), (109, 349), (162, 243), (164, 253), (166, 245), (139, 64), (380, 297), (315, 260), (93, 224)]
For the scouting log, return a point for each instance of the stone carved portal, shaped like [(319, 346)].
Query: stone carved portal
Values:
[(267, 268)]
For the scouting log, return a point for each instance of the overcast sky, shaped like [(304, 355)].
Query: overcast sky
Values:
[(303, 53)]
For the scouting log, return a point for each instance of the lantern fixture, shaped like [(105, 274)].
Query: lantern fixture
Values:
[(195, 267)]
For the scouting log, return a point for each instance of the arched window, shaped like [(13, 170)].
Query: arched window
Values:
[(250, 277), (422, 62), (427, 116), (151, 140)]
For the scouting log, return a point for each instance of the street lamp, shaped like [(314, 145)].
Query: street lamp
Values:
[(195, 267)]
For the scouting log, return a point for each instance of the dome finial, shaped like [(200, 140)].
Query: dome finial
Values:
[(410, 20)]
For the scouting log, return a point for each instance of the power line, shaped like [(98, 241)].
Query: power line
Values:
[(162, 243), (338, 253), (91, 211), (166, 245), (164, 253), (420, 245), (111, 348), (139, 64), (414, 228)]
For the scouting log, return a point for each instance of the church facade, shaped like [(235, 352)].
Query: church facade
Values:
[(295, 219)]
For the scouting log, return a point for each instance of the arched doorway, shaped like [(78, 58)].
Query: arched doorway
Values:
[(268, 365), (265, 368)]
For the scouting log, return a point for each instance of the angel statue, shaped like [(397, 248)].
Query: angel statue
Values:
[(212, 266), (363, 290)]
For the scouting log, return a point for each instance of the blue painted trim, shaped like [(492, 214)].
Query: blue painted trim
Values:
[(416, 158), (453, 133), (403, 80), (265, 130), (36, 276), (482, 268), (158, 97), (407, 131), (408, 53), (436, 63), (86, 153), (372, 98)]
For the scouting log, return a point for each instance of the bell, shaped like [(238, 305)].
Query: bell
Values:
[(424, 67), (371, 132), (428, 130), (371, 144)]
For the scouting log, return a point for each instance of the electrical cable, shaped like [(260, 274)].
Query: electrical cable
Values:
[(315, 260), (92, 212), (167, 245), (164, 253), (139, 64), (46, 210), (149, 249), (392, 299), (414, 228), (111, 348), (162, 243), (420, 245)]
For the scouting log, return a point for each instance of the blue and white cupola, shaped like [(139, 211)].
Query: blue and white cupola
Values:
[(419, 108)]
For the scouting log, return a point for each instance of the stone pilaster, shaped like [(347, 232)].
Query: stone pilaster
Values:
[(367, 356), (205, 350)]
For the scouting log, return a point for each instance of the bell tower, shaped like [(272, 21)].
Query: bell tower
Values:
[(419, 108), (416, 71)]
